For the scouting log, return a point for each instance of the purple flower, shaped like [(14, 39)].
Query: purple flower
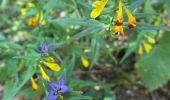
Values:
[(44, 48), (57, 89)]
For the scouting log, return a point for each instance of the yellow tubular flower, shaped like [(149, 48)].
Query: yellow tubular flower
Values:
[(34, 84), (150, 39), (44, 75), (52, 66), (140, 51), (131, 19), (98, 8), (118, 28), (147, 47), (85, 62), (119, 19)]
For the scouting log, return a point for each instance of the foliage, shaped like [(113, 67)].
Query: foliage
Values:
[(90, 56)]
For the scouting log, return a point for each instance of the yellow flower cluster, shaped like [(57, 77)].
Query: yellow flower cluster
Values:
[(118, 28), (38, 19), (146, 45), (50, 63)]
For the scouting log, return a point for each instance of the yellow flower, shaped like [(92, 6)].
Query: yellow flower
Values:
[(30, 4), (118, 28), (52, 66), (140, 51), (150, 39), (34, 84), (119, 19), (98, 8), (147, 47), (85, 62), (36, 20), (23, 11), (131, 19), (44, 75)]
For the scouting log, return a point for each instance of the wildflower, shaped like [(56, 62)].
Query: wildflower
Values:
[(150, 39), (34, 84), (52, 66), (131, 19), (140, 51), (118, 28), (85, 62), (38, 19), (146, 45), (44, 48), (44, 75), (98, 8), (57, 89)]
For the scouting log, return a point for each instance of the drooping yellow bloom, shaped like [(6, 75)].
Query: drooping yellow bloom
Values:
[(119, 19), (131, 19), (140, 51), (34, 84), (85, 62), (150, 39), (147, 47), (98, 8), (44, 75), (52, 66), (118, 28)]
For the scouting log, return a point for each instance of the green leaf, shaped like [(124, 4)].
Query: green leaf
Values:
[(154, 68), (142, 26), (11, 88), (136, 4), (77, 84)]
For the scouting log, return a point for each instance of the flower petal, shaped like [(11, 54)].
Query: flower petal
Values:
[(52, 96), (147, 47), (118, 29), (52, 66), (95, 13), (98, 8), (34, 84), (119, 13), (131, 19), (151, 40), (140, 51), (85, 62), (44, 75)]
